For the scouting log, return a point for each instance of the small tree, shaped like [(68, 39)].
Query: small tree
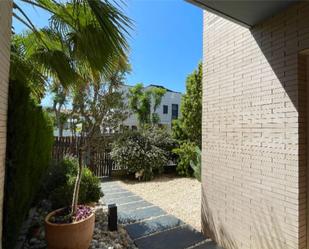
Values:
[(189, 126), (188, 129), (100, 106), (144, 103), (186, 153)]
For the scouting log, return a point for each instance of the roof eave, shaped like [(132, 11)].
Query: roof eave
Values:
[(217, 12)]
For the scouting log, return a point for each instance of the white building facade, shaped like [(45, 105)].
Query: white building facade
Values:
[(168, 110)]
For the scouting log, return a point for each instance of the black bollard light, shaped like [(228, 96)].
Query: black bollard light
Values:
[(112, 217)]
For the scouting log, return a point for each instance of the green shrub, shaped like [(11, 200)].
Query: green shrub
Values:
[(56, 176), (186, 153), (60, 180), (146, 151), (161, 138), (196, 164), (29, 145), (178, 132)]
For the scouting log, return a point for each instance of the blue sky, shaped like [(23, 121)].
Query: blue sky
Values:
[(166, 43)]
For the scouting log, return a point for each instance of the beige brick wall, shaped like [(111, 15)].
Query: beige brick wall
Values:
[(5, 34), (254, 134)]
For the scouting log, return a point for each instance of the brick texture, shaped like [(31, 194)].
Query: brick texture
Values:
[(5, 35), (254, 170)]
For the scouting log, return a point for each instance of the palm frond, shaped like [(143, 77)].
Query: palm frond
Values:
[(86, 40), (26, 70), (27, 20)]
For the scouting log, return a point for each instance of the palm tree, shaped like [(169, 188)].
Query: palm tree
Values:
[(78, 46), (91, 32)]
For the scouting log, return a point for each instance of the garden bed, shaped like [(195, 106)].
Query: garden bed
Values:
[(178, 196)]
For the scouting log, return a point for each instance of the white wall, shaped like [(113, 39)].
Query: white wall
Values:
[(5, 35)]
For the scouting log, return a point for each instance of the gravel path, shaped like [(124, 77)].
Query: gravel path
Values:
[(180, 197)]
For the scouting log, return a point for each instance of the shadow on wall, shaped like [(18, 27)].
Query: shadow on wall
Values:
[(213, 231), (281, 40), (285, 44), (267, 236)]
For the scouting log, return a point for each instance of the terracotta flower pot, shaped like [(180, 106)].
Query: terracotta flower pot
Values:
[(69, 236)]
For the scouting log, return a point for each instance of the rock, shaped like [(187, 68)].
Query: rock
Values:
[(32, 212), (42, 234), (33, 241), (46, 205), (118, 246)]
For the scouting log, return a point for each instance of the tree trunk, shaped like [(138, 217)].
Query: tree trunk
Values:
[(57, 111), (77, 184), (59, 125)]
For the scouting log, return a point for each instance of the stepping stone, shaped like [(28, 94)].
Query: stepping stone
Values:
[(109, 187), (159, 224), (139, 214), (207, 245), (118, 195), (133, 206), (177, 238), (124, 200), (113, 191), (109, 182), (116, 192)]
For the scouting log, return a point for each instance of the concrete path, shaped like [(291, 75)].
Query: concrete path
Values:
[(148, 225)]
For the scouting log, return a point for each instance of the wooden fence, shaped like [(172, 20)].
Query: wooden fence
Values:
[(99, 162)]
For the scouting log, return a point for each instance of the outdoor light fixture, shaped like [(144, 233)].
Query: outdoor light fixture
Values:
[(112, 217)]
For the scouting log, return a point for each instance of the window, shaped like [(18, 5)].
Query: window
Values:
[(66, 126), (174, 111), (165, 109)]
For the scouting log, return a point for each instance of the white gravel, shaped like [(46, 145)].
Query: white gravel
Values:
[(180, 197)]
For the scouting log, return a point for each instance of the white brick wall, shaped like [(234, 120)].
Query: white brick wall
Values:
[(5, 34), (254, 139)]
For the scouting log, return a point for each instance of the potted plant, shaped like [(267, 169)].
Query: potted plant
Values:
[(71, 227)]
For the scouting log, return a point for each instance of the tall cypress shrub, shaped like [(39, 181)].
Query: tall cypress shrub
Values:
[(29, 145)]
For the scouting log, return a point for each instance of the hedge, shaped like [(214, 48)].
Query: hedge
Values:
[(29, 145)]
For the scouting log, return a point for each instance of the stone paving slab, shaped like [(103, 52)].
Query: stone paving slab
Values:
[(113, 191), (111, 188), (126, 217), (160, 224), (110, 196), (207, 245), (107, 191), (177, 238), (119, 201), (134, 205), (149, 226), (111, 183)]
